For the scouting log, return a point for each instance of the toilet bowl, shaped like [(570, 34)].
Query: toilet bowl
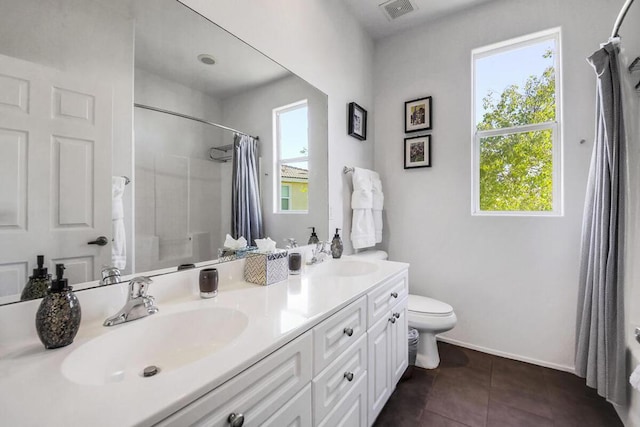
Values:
[(430, 317)]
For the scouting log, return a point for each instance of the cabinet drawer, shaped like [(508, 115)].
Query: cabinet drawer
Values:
[(334, 335), (296, 413), (384, 297), (256, 393), (351, 411), (333, 384)]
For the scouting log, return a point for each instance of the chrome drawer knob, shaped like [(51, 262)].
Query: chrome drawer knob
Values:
[(392, 319), (396, 315), (236, 420), (394, 294), (348, 376), (348, 331)]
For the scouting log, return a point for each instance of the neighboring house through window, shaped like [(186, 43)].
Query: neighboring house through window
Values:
[(291, 148), (516, 127)]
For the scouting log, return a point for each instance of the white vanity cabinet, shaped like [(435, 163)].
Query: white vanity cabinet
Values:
[(254, 396), (386, 341)]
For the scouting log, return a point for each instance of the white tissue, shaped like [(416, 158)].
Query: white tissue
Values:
[(634, 379), (231, 243), (266, 245)]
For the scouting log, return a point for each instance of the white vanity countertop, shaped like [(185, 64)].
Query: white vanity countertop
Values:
[(34, 391)]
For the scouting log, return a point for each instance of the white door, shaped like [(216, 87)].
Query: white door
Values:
[(379, 355), (399, 344), (55, 172)]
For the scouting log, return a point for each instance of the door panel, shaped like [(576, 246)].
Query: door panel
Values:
[(55, 168)]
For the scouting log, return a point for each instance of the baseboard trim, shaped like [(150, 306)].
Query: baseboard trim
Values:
[(569, 369)]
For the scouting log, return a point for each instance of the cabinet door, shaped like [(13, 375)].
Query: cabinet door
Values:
[(384, 297), (399, 344), (337, 333), (339, 379), (379, 354), (255, 394), (296, 413), (351, 411)]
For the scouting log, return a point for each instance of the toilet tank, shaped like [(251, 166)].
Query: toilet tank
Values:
[(371, 254)]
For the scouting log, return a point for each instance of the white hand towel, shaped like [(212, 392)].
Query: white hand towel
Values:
[(119, 244), (363, 233), (634, 379), (378, 203)]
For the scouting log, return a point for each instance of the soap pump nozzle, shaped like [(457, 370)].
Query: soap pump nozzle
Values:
[(41, 270), (313, 239), (60, 283)]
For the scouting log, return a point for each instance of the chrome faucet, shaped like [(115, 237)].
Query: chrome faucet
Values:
[(138, 304), (320, 253)]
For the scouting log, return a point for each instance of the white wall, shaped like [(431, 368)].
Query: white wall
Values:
[(252, 111), (177, 187), (325, 46), (512, 280)]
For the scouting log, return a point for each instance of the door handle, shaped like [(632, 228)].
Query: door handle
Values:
[(100, 241)]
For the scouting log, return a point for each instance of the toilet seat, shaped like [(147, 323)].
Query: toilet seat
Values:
[(428, 306)]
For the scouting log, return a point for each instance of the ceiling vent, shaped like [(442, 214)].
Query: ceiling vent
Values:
[(393, 9)]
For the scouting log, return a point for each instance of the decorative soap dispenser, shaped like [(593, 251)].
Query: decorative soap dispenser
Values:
[(38, 284), (313, 239), (58, 317), (336, 245)]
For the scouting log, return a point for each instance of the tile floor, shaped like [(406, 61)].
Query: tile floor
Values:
[(472, 389)]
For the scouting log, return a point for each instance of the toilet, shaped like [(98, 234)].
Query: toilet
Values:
[(429, 316)]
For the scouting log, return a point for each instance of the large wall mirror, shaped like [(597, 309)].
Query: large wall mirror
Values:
[(82, 157)]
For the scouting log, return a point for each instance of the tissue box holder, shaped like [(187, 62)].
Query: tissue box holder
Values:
[(266, 268), (226, 254)]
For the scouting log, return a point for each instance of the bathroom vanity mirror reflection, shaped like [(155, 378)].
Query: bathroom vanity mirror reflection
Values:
[(70, 74)]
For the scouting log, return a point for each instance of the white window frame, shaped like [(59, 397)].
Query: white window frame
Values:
[(278, 161), (555, 126)]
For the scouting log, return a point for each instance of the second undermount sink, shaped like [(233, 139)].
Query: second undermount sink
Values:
[(165, 341), (345, 268)]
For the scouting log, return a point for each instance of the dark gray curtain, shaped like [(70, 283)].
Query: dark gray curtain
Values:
[(600, 343), (246, 212)]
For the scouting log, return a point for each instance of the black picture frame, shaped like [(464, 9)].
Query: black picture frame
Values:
[(357, 122), (417, 152), (418, 114)]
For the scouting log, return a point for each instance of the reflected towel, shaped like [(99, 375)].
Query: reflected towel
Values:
[(119, 244), (634, 379)]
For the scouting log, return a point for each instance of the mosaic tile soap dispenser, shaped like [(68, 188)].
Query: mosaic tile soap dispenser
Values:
[(58, 317)]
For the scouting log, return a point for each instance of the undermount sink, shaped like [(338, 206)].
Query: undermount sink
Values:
[(165, 341), (345, 268)]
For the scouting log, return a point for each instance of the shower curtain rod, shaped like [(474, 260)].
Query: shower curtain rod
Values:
[(196, 119), (621, 15)]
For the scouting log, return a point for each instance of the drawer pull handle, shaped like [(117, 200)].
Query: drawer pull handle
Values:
[(394, 294), (396, 315), (348, 331), (236, 420), (348, 376), (392, 319)]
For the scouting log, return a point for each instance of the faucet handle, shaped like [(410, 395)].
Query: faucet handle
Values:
[(141, 290)]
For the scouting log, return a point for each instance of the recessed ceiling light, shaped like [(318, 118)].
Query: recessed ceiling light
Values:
[(206, 59)]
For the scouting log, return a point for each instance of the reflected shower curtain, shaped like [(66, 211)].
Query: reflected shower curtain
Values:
[(246, 212), (600, 342)]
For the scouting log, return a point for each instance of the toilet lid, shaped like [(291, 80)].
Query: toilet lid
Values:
[(420, 304)]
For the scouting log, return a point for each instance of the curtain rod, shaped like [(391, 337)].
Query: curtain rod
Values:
[(196, 119), (621, 15)]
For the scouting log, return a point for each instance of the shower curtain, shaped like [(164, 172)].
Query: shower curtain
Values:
[(246, 212), (600, 340)]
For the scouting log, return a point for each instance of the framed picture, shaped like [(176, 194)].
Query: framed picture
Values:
[(357, 121), (417, 152), (417, 115)]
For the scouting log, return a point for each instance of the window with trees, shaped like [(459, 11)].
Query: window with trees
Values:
[(291, 158), (516, 131)]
